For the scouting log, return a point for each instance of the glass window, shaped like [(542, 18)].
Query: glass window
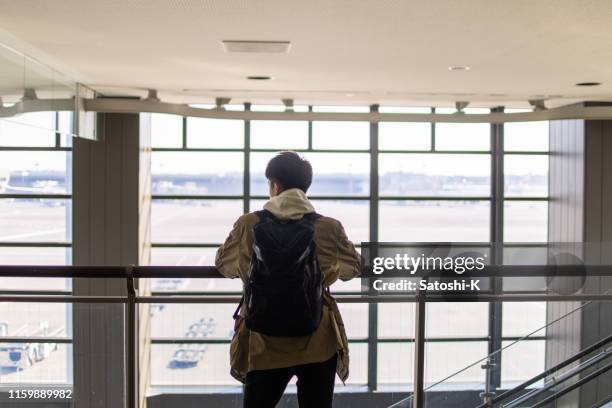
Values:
[(34, 220), (522, 318), (166, 130), (200, 221), (341, 135), (526, 175), (37, 221), (525, 221), (526, 255), (168, 369), (469, 319), (463, 136), (23, 172), (434, 174), (52, 370), (34, 316), (354, 216), (522, 361), (355, 317), (278, 135), (190, 257), (35, 363), (64, 126), (395, 320), (359, 365), (335, 174), (404, 136), (215, 133), (195, 256), (395, 364), (35, 256), (434, 221), (203, 173), (343, 177), (438, 365), (28, 130), (182, 320), (526, 136)]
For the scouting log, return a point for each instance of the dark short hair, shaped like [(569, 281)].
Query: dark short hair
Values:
[(290, 170)]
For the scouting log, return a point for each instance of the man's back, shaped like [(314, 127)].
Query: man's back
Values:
[(338, 260), (265, 362)]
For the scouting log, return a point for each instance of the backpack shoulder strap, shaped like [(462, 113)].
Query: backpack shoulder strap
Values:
[(237, 311), (312, 217), (264, 215)]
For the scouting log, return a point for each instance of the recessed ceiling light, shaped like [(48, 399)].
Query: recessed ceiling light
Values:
[(588, 84), (274, 47), (459, 68)]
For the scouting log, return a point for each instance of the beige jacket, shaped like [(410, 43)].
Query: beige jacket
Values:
[(338, 259)]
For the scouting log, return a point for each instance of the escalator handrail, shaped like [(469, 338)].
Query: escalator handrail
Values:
[(547, 372), (554, 382), (603, 402), (400, 404), (573, 386)]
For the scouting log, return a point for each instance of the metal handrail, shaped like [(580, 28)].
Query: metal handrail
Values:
[(131, 299), (210, 272)]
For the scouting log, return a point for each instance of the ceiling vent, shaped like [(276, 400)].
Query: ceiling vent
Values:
[(274, 47)]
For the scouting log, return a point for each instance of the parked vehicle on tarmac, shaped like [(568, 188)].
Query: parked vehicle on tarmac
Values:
[(190, 354), (24, 355)]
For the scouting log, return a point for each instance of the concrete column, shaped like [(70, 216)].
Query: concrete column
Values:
[(109, 206)]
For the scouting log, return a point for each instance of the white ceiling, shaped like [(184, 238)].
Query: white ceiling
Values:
[(343, 51)]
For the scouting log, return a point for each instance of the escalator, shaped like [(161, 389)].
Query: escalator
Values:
[(541, 390), (558, 383)]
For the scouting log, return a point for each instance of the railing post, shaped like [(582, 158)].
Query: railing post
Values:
[(488, 394), (131, 349), (418, 400)]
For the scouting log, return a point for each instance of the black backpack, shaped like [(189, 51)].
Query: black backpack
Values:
[(283, 296)]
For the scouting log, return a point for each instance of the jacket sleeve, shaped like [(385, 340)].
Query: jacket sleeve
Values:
[(233, 256), (349, 260)]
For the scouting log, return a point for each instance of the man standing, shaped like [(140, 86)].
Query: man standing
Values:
[(288, 323)]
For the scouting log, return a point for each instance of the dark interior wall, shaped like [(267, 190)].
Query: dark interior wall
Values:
[(597, 318), (580, 187), (565, 224)]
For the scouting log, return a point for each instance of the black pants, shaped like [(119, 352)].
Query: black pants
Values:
[(315, 385)]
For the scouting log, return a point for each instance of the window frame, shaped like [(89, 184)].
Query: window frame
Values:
[(58, 146), (496, 200)]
